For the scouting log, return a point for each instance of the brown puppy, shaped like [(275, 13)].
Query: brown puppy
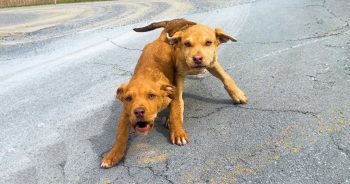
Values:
[(195, 50), (148, 92)]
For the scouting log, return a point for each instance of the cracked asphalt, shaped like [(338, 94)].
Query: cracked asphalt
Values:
[(58, 77)]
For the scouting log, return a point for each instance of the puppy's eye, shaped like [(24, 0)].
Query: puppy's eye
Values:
[(208, 43), (128, 98), (151, 96), (188, 44)]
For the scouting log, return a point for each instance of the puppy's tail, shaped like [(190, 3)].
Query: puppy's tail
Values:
[(152, 26), (170, 26)]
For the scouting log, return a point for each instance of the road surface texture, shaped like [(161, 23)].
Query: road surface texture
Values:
[(60, 66)]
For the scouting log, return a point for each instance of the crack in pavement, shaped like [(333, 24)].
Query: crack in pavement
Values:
[(280, 51), (62, 165), (338, 147), (167, 169), (338, 46), (154, 173), (256, 158), (256, 109), (314, 78), (166, 177), (250, 2), (331, 33), (331, 12), (123, 47), (127, 169), (323, 5), (115, 66)]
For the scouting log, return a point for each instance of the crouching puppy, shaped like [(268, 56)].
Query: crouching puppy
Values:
[(195, 50), (148, 92)]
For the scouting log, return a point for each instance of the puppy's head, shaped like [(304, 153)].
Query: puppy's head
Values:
[(142, 101), (198, 45)]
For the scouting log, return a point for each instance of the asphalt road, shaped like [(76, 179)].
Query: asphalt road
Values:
[(60, 66)]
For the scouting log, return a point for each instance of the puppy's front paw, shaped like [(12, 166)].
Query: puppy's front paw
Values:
[(178, 137), (110, 160), (239, 97)]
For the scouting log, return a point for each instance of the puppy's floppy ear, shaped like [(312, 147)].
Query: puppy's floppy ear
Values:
[(120, 91), (169, 90), (176, 38), (222, 37)]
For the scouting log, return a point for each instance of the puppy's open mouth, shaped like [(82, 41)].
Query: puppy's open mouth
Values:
[(143, 127)]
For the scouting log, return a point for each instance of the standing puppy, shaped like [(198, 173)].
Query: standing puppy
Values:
[(195, 49)]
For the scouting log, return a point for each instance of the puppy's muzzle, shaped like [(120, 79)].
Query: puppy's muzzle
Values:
[(139, 113), (198, 62), (197, 59)]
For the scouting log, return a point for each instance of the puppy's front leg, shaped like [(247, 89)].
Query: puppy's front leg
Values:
[(119, 147), (177, 133), (232, 89)]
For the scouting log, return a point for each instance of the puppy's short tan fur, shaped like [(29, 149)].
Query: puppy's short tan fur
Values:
[(148, 92), (195, 50)]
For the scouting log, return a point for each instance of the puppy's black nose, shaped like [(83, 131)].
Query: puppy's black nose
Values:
[(139, 112), (197, 59)]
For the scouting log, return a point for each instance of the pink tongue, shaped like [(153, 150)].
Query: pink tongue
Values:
[(143, 129)]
